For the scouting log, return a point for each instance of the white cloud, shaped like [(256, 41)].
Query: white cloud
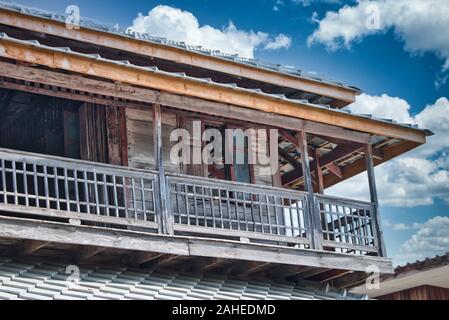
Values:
[(399, 226), (430, 239), (178, 25), (281, 41), (385, 107), (421, 25), (416, 178)]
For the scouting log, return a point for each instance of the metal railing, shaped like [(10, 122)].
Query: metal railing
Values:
[(118, 197)]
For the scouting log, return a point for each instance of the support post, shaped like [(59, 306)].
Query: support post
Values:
[(318, 172), (314, 217), (374, 199), (164, 212)]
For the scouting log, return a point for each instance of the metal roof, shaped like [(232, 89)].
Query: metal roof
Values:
[(232, 86), (40, 279), (92, 24)]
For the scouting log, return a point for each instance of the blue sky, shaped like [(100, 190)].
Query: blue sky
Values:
[(377, 62)]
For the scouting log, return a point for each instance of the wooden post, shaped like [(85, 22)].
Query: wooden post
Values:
[(314, 213), (374, 199), (164, 212), (318, 172)]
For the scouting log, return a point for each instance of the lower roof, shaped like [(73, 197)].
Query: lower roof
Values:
[(42, 279), (429, 272)]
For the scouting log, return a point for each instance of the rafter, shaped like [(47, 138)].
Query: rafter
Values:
[(333, 168), (287, 157), (338, 153)]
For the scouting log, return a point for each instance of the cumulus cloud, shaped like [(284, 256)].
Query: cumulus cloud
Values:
[(400, 226), (421, 25), (430, 239), (178, 25), (416, 178), (281, 41)]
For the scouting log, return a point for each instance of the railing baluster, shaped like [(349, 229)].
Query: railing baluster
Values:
[(203, 204), (195, 205), (86, 192), (66, 189), (25, 183), (186, 194), (117, 206), (47, 197), (5, 189), (220, 209), (14, 183), (56, 183), (97, 200), (133, 191), (36, 185), (144, 213), (212, 210), (125, 195), (267, 203), (77, 198)]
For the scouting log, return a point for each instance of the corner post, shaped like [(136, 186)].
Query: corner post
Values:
[(374, 198), (314, 212), (164, 214)]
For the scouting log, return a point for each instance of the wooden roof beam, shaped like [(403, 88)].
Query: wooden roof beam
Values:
[(147, 95), (345, 95), (25, 51)]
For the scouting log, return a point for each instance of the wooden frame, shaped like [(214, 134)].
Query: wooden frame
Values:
[(84, 89), (13, 228), (14, 49), (178, 55)]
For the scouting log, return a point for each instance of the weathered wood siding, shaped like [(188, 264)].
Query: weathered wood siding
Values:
[(140, 139), (419, 293)]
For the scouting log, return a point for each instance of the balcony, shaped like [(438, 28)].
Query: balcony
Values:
[(79, 194)]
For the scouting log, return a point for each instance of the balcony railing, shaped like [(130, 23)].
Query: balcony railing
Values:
[(118, 197)]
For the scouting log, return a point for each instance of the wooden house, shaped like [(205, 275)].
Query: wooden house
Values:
[(86, 174)]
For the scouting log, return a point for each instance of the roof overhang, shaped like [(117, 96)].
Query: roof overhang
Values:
[(94, 65), (127, 43)]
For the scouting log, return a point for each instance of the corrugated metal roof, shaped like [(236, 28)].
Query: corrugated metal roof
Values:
[(233, 86), (89, 23), (40, 279)]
